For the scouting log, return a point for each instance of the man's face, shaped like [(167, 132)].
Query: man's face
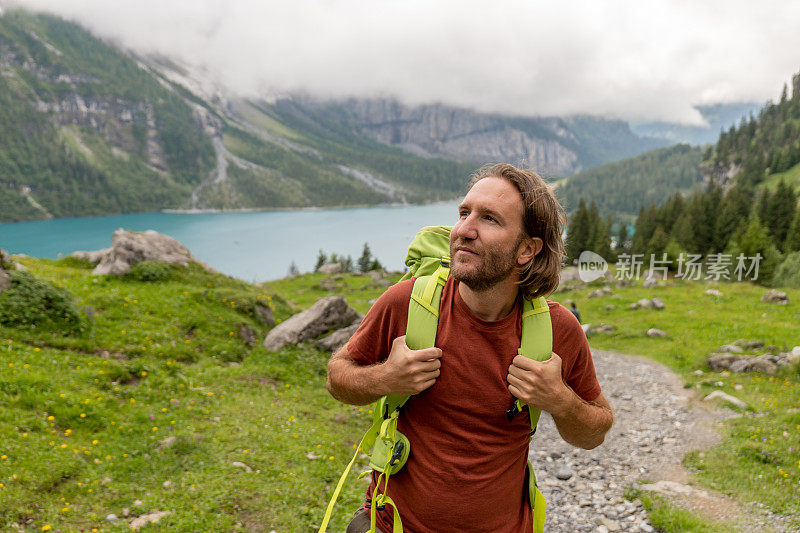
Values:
[(486, 242)]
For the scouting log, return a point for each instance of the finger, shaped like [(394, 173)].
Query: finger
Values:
[(427, 366), (525, 363), (427, 384), (555, 358), (515, 381), (515, 392), (426, 354), (514, 370)]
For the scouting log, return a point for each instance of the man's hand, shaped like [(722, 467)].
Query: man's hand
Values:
[(539, 384), (409, 372)]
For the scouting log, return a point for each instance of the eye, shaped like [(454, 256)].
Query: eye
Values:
[(489, 218)]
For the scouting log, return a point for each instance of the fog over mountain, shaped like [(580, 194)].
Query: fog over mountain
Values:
[(638, 61)]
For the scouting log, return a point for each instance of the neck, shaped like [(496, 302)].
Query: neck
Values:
[(493, 303)]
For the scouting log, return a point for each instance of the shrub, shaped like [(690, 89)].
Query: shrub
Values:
[(788, 272), (150, 271), (34, 303)]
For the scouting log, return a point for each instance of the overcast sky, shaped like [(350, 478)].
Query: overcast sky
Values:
[(628, 59)]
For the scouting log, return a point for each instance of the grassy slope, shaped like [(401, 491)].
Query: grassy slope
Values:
[(268, 410), (791, 177)]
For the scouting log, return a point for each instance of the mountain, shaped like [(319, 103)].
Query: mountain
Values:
[(622, 187), (558, 146), (719, 117), (87, 129)]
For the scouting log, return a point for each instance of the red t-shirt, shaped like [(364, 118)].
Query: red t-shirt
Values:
[(466, 471)]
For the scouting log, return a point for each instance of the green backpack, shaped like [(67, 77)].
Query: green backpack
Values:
[(389, 449)]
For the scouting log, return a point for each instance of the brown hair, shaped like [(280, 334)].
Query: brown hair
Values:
[(543, 217)]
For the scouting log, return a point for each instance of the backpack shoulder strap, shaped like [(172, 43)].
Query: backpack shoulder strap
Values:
[(537, 339)]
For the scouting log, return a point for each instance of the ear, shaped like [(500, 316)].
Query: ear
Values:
[(528, 249)]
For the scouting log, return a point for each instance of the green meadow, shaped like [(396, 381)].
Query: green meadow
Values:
[(151, 400)]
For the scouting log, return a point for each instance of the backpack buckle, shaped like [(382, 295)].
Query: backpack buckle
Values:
[(445, 261)]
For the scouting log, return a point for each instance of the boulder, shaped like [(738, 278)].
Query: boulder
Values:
[(599, 292), (741, 364), (721, 360), (129, 248), (247, 334), (657, 303), (332, 268), (726, 398), (653, 332), (763, 363), (93, 257), (6, 261), (338, 338), (328, 313), (644, 303), (775, 297)]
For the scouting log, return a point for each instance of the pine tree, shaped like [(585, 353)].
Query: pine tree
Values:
[(733, 214), (755, 240), (321, 260), (792, 242), (578, 232), (780, 213), (623, 244), (365, 261)]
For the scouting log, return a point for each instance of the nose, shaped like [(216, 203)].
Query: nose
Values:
[(466, 228)]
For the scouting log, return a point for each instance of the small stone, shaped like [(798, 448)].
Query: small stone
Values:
[(126, 512), (111, 518), (137, 503), (657, 303), (654, 332), (242, 465), (563, 473), (311, 456), (166, 484), (713, 292)]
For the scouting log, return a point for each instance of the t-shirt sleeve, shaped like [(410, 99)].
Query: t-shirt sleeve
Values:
[(385, 321), (570, 343)]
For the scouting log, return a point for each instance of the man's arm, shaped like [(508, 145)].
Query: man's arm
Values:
[(405, 371), (540, 386)]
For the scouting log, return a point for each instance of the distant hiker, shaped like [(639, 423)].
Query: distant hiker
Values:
[(574, 310), (467, 466)]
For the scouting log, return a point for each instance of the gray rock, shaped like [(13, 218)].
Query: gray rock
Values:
[(240, 464), (563, 473), (649, 282), (587, 329), (713, 292), (654, 332), (609, 524), (247, 334), (264, 315), (610, 307), (599, 292), (5, 280), (332, 268), (93, 257), (741, 364), (732, 348), (5, 259), (753, 345), (721, 360), (328, 313), (775, 297), (148, 518), (657, 303), (338, 338), (726, 398), (111, 518), (129, 248), (764, 364), (634, 305), (644, 303), (375, 275)]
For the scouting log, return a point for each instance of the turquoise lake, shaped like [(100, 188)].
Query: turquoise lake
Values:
[(254, 246)]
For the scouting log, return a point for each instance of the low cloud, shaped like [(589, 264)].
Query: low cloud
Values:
[(626, 59)]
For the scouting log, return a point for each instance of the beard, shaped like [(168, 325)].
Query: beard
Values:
[(495, 265)]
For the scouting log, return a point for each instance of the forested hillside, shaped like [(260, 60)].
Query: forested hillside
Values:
[(84, 130), (761, 145), (620, 188)]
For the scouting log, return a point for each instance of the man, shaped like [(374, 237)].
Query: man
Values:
[(466, 471)]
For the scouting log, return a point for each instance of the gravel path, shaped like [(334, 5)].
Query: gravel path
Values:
[(657, 423)]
